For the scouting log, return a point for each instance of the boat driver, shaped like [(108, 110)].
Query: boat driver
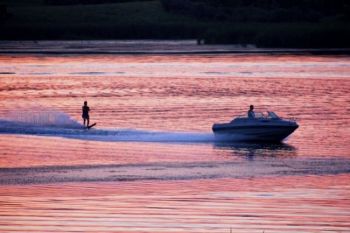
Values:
[(251, 113)]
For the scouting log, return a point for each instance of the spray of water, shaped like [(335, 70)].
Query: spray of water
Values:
[(42, 117)]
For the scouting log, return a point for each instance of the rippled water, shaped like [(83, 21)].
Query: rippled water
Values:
[(151, 164)]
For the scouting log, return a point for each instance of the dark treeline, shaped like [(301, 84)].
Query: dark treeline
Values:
[(3, 12), (262, 10), (270, 23), (85, 2), (264, 23)]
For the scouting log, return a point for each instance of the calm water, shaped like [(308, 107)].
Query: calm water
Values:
[(152, 164)]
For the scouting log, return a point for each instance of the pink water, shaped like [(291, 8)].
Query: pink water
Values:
[(151, 164)]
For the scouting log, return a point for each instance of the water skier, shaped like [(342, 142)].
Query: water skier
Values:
[(85, 114)]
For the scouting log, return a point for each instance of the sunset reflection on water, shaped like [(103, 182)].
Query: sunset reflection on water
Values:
[(272, 204), (182, 181)]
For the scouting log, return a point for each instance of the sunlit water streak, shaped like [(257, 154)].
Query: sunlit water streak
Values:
[(152, 163)]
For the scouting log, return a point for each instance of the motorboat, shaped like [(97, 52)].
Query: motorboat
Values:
[(266, 128)]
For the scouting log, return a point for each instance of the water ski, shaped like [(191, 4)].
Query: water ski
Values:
[(90, 126)]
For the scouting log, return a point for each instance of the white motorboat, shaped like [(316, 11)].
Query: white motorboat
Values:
[(268, 128)]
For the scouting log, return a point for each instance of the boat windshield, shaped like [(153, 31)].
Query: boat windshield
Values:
[(273, 115), (259, 115)]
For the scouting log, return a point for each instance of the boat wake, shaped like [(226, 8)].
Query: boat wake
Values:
[(58, 124), (77, 131)]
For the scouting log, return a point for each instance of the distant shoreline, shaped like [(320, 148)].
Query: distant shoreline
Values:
[(144, 47), (279, 52)]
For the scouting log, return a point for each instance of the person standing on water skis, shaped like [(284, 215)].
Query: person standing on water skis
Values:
[(85, 114)]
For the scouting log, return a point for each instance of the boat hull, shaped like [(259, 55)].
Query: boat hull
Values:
[(263, 133)]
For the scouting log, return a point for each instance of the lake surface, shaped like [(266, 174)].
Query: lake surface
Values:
[(152, 163)]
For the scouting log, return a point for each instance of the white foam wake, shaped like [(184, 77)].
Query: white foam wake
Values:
[(44, 122), (79, 132)]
